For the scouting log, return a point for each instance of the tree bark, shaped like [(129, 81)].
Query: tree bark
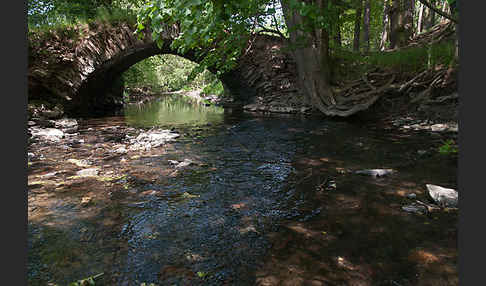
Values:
[(357, 23), (366, 26)]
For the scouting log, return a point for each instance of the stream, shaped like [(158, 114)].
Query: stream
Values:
[(238, 199)]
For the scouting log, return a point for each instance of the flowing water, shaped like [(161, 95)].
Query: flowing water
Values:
[(267, 200)]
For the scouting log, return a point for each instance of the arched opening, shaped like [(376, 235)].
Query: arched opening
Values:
[(167, 89)]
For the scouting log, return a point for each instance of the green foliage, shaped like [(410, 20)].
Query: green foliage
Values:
[(58, 14), (449, 147), (415, 58), (217, 31), (412, 59), (170, 73), (213, 88)]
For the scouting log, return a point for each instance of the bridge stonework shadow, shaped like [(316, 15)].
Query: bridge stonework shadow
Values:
[(82, 71)]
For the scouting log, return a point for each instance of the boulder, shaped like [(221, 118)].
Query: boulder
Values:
[(443, 197)]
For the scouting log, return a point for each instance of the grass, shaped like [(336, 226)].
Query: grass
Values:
[(415, 58)]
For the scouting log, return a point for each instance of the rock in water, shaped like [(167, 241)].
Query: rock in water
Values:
[(51, 134), (375, 172), (443, 196), (415, 208), (91, 172), (184, 163)]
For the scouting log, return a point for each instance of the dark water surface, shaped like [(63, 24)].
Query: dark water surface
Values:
[(269, 200)]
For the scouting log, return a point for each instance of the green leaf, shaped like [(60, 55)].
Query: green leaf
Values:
[(201, 274)]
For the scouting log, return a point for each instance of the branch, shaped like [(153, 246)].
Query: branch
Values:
[(263, 29), (443, 14)]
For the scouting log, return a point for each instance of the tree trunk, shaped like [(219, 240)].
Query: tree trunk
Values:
[(429, 19), (312, 58), (357, 23), (310, 50), (386, 26), (401, 23), (407, 24), (338, 38), (395, 20), (420, 18), (366, 26)]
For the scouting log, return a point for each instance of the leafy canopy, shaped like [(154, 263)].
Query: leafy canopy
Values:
[(216, 30)]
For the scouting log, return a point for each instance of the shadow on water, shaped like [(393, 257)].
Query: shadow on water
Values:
[(266, 201)]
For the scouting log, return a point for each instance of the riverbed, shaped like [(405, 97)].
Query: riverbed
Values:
[(237, 198)]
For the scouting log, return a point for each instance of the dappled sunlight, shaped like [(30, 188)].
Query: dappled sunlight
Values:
[(219, 205)]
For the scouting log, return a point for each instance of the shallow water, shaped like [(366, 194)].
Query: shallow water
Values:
[(268, 200)]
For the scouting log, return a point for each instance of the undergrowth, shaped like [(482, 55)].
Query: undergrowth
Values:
[(350, 65), (70, 27)]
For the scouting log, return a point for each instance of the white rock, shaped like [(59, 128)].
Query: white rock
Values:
[(185, 163), (121, 150), (51, 134), (438, 127), (375, 172), (443, 196), (91, 172)]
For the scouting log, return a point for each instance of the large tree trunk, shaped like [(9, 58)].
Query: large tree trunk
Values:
[(357, 27), (366, 26), (386, 26), (312, 58), (311, 54)]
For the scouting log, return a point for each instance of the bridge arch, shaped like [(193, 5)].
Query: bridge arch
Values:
[(84, 75)]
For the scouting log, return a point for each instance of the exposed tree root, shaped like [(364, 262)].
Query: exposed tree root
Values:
[(359, 94)]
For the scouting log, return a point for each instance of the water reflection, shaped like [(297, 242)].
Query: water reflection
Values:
[(170, 110)]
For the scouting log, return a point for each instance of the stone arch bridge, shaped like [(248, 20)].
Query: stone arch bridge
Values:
[(80, 69)]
